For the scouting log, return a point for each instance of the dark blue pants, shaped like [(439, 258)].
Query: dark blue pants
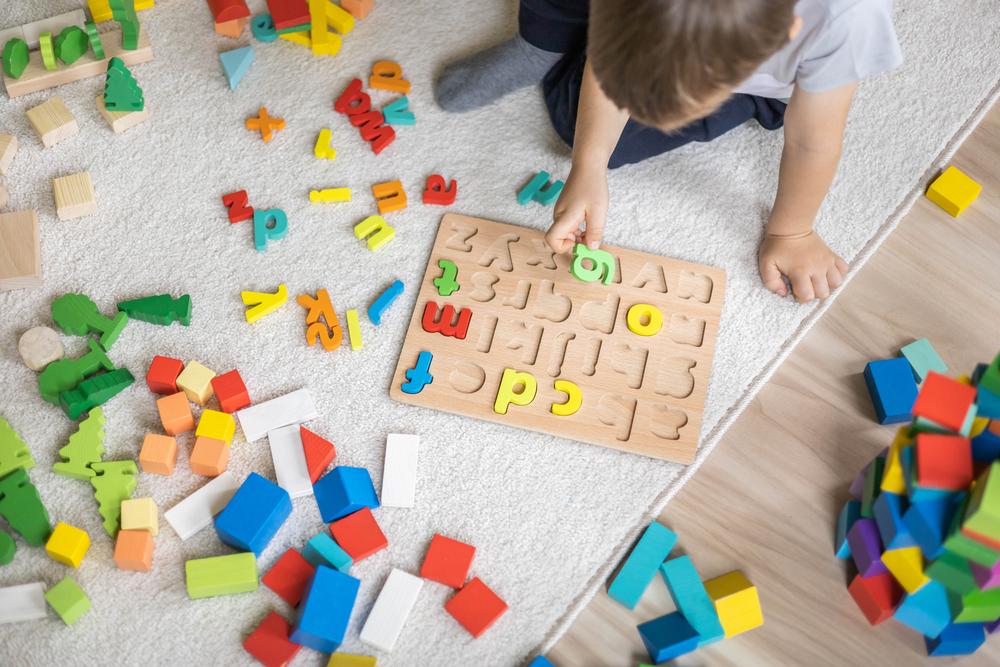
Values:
[(560, 26)]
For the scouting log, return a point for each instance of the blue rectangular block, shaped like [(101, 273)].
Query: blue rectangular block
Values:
[(253, 515), (957, 639), (888, 510), (325, 610), (925, 610), (987, 403), (849, 513), (322, 550), (986, 447), (641, 565), (893, 389), (691, 599), (344, 490), (668, 637), (928, 523)]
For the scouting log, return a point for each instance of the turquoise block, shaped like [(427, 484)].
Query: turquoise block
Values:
[(642, 564), (322, 550), (384, 300), (888, 511), (398, 112), (419, 376), (235, 64), (262, 28), (987, 403), (692, 600), (538, 189), (269, 224), (925, 610), (849, 513), (923, 358)]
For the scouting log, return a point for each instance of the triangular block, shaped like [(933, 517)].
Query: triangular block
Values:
[(319, 453), (236, 63), (121, 92)]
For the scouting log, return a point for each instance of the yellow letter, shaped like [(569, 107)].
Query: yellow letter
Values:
[(507, 394), (574, 397)]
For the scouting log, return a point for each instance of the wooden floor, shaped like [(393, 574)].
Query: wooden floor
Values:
[(766, 500)]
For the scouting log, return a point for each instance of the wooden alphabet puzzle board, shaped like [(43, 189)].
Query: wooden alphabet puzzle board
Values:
[(640, 394)]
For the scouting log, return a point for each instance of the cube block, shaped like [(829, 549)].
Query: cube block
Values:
[(476, 607), (359, 534), (344, 490), (944, 401), (289, 576), (230, 391), (668, 637), (953, 191), (134, 550), (161, 378), (68, 600), (269, 643), (175, 413), (158, 454), (67, 544), (893, 389), (217, 425), (140, 514), (210, 457), (736, 602), (447, 561), (196, 382), (943, 461), (325, 610)]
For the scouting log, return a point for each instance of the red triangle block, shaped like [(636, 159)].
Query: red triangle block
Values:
[(319, 453)]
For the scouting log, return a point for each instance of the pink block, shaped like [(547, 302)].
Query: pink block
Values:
[(986, 577)]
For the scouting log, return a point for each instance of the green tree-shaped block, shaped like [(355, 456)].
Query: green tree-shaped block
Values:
[(121, 92), (71, 43), (23, 508), (15, 57), (84, 448), (77, 315), (7, 547), (123, 12), (64, 374), (115, 481), (159, 309), (95, 390), (13, 452)]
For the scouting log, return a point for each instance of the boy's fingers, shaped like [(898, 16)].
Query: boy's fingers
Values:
[(771, 277), (562, 234), (834, 277), (820, 287), (802, 288), (595, 229), (841, 266)]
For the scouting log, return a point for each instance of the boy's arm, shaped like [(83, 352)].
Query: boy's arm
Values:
[(599, 124), (814, 133)]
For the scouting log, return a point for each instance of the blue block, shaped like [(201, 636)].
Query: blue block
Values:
[(849, 513), (925, 610), (668, 637), (253, 515), (957, 639), (888, 511), (235, 64), (893, 389), (419, 376), (692, 600), (641, 565), (928, 522), (344, 490), (383, 301), (540, 661), (987, 403), (322, 550), (325, 610), (986, 447), (398, 112)]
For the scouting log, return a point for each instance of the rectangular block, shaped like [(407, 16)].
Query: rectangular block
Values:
[(325, 610), (866, 547), (290, 461), (221, 575), (668, 637), (893, 389), (199, 509), (20, 251), (399, 476), (254, 514), (25, 602), (642, 565), (392, 607), (322, 550), (119, 121), (923, 358), (260, 419), (691, 599)]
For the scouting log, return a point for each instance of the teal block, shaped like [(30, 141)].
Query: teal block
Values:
[(322, 550), (538, 189), (692, 600), (926, 610), (987, 403), (849, 513), (236, 63), (642, 564), (398, 112), (923, 358), (268, 225)]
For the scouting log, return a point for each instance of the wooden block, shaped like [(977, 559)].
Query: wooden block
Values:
[(476, 607), (399, 474), (447, 561), (221, 575), (8, 149), (642, 564), (389, 196), (217, 425), (227, 10), (943, 462), (319, 453), (907, 566), (388, 75), (351, 660), (289, 576), (289, 458), (122, 120), (292, 408), (233, 28), (944, 401), (140, 514), (668, 637), (288, 13), (392, 607), (175, 413), (230, 391), (322, 550), (343, 491), (925, 610), (158, 454), (162, 375), (210, 457), (52, 121), (39, 347), (358, 8), (24, 602), (68, 600), (254, 515), (736, 602), (269, 642), (359, 534), (325, 610), (67, 544), (196, 382), (36, 77), (866, 546), (691, 599), (134, 550), (893, 389), (953, 191), (74, 195), (197, 510), (20, 253)]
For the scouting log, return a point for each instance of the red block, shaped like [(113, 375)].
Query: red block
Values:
[(877, 596), (288, 13), (944, 401), (943, 461), (228, 10), (447, 561), (269, 643), (230, 391), (289, 576), (238, 205), (476, 607), (162, 375), (319, 453), (358, 534), (437, 194)]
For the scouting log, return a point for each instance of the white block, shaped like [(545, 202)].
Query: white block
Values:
[(399, 474), (260, 419), (290, 461), (22, 603), (53, 24), (197, 510), (389, 613)]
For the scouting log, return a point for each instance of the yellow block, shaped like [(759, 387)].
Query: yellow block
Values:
[(264, 303), (644, 320), (67, 544), (348, 660), (376, 229), (574, 398), (216, 425), (339, 19), (892, 476), (140, 514), (736, 603), (329, 195), (323, 150), (196, 382), (516, 388), (979, 425), (354, 330), (100, 10), (953, 191), (907, 566), (297, 37)]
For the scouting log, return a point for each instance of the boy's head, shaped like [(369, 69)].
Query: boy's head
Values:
[(669, 62)]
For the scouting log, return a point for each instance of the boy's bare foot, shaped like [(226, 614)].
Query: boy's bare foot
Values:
[(488, 75)]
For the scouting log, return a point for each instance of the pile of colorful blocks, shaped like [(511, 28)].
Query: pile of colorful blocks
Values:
[(922, 527)]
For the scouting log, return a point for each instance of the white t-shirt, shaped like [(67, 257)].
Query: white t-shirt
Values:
[(841, 41)]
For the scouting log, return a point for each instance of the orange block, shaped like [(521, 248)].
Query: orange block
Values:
[(134, 550), (358, 8), (388, 75), (389, 196), (232, 28), (175, 413), (158, 454), (209, 457)]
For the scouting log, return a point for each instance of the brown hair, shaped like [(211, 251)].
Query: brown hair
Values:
[(671, 61)]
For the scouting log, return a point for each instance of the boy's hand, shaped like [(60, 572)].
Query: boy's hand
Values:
[(583, 200), (811, 267)]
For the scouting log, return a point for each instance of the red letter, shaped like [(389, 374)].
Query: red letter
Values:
[(353, 101), (237, 202), (444, 322), (435, 191)]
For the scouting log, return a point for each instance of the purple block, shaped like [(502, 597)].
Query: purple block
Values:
[(992, 627), (866, 547), (986, 577)]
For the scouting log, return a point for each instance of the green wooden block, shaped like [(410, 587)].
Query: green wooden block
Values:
[(983, 513), (94, 391), (65, 374), (990, 378), (15, 57), (966, 547), (21, 505), (77, 315), (303, 27), (84, 448), (68, 600), (7, 547), (590, 265), (953, 572), (979, 607), (71, 43), (121, 92), (872, 486), (221, 575), (94, 37), (14, 453), (446, 283), (48, 51), (159, 309), (115, 481), (123, 12)]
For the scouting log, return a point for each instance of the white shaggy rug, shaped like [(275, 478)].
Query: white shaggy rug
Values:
[(549, 517)]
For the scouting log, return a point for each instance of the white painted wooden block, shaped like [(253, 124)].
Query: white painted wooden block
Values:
[(22, 603), (389, 613), (290, 461), (260, 419), (53, 24), (39, 347), (399, 474), (197, 510)]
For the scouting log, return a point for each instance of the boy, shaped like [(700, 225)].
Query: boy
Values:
[(647, 76)]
